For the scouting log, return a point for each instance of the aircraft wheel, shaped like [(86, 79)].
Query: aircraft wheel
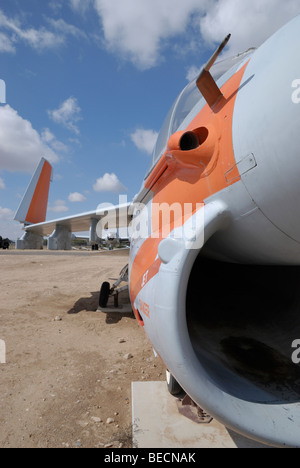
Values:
[(173, 386), (104, 294)]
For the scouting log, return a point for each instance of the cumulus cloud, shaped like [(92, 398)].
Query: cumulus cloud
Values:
[(8, 227), (193, 72), (81, 5), (138, 29), (109, 183), (76, 197), (5, 213), (2, 184), (251, 22), (49, 138), (65, 29), (6, 44), (21, 146), (59, 206), (144, 140), (36, 38), (68, 114), (54, 34)]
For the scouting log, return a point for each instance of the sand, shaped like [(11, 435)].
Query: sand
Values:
[(68, 372)]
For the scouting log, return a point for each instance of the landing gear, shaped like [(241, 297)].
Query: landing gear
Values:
[(106, 292), (173, 386), (186, 406)]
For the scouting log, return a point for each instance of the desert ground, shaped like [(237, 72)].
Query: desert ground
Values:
[(67, 378)]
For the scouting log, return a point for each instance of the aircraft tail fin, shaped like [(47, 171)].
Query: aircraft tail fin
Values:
[(33, 207)]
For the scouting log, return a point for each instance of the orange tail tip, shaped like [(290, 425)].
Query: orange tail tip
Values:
[(33, 208)]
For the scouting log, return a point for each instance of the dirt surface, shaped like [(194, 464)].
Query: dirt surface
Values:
[(68, 372)]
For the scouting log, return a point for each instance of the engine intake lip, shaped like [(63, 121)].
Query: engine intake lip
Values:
[(228, 396)]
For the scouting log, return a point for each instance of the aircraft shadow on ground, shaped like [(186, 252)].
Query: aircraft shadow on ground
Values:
[(91, 303)]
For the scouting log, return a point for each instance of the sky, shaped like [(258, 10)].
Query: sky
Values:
[(89, 83)]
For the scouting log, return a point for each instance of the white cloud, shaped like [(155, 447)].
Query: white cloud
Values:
[(50, 37), (59, 206), (66, 29), (250, 22), (21, 146), (144, 140), (36, 38), (57, 177), (6, 213), (2, 184), (41, 39), (49, 138), (8, 227), (109, 183), (6, 44), (192, 73), (55, 6), (138, 29), (59, 146), (80, 5), (68, 114), (76, 197)]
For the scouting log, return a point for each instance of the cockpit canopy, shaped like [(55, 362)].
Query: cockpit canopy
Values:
[(189, 98)]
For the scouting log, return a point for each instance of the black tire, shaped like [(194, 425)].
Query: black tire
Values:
[(173, 386), (104, 294)]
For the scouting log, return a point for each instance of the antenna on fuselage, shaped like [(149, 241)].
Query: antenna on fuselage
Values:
[(205, 82)]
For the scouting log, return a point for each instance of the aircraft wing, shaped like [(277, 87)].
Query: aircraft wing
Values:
[(32, 213), (112, 217)]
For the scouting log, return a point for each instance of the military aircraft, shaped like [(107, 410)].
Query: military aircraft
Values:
[(111, 240), (215, 284)]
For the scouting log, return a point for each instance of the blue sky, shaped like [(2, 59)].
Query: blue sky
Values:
[(89, 82)]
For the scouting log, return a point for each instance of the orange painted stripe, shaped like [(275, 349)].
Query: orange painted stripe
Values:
[(38, 207), (158, 170), (140, 283), (182, 184), (176, 182)]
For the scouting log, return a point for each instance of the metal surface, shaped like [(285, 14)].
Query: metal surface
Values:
[(224, 326), (163, 426), (188, 408)]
